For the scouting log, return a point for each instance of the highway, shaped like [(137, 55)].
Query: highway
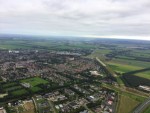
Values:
[(141, 107)]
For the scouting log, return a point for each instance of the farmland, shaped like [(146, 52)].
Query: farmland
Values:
[(118, 67), (145, 74), (62, 67), (124, 63), (124, 106)]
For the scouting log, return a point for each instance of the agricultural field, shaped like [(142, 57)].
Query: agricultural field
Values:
[(134, 63), (100, 53), (124, 106), (122, 68), (145, 74), (124, 62)]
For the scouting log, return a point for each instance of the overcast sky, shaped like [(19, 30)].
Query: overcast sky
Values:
[(94, 18)]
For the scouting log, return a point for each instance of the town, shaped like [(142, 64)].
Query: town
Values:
[(53, 82)]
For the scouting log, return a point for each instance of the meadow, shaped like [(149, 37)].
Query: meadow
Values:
[(126, 104)]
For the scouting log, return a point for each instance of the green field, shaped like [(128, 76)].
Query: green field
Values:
[(12, 88), (19, 92), (7, 85), (35, 89), (145, 74), (122, 63), (147, 110), (135, 63), (126, 104), (34, 81), (100, 53), (118, 67)]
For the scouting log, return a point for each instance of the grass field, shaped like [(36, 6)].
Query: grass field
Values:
[(12, 88), (19, 92), (35, 89), (147, 110), (7, 85), (100, 53), (126, 104), (119, 64), (118, 67), (131, 62), (34, 81), (145, 74)]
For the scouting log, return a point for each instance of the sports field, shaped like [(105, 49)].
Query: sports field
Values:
[(34, 81)]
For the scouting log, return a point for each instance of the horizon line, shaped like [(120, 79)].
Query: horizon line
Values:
[(84, 36)]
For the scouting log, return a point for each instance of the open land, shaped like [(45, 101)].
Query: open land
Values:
[(55, 75)]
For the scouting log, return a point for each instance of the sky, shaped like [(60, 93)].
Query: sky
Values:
[(88, 18)]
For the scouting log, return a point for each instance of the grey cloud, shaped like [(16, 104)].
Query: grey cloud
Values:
[(76, 17)]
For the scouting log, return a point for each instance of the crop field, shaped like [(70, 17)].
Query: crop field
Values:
[(43, 44), (122, 68), (137, 63), (145, 74), (135, 81), (100, 53), (126, 104)]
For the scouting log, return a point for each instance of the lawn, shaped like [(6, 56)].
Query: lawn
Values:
[(8, 85), (19, 92), (34, 81), (35, 89), (126, 104), (12, 88)]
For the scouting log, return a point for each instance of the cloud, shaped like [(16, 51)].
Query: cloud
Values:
[(76, 17)]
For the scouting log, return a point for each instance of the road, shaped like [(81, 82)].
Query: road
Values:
[(141, 107)]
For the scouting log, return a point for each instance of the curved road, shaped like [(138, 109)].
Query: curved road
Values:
[(141, 107)]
